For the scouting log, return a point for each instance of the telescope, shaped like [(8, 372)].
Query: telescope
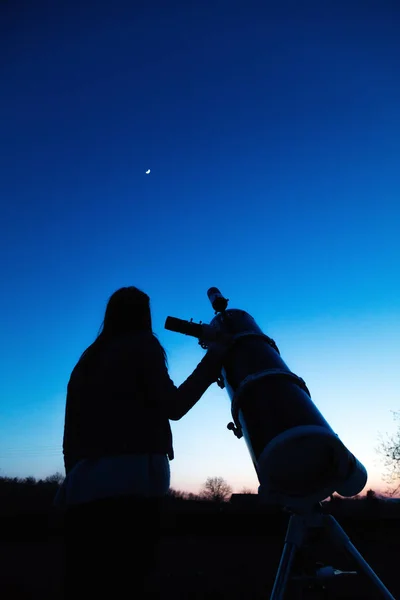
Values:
[(298, 458)]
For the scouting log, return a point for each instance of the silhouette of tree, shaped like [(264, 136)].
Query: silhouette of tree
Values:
[(389, 449), (30, 480), (216, 489), (371, 495), (55, 478), (246, 490), (191, 496), (172, 493)]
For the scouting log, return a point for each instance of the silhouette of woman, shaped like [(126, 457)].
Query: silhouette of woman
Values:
[(117, 446)]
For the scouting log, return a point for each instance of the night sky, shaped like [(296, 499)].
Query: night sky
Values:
[(272, 136)]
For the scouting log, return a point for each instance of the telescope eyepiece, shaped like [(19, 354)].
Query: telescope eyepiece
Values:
[(218, 302)]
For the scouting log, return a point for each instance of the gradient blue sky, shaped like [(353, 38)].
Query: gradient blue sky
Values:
[(272, 135)]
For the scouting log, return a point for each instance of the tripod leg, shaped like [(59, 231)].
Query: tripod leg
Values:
[(283, 572), (341, 539), (293, 540)]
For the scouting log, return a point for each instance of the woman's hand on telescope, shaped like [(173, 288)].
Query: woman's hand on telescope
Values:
[(219, 347)]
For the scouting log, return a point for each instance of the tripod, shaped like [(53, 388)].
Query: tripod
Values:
[(298, 527)]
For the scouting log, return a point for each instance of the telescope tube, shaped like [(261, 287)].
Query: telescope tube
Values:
[(297, 456)]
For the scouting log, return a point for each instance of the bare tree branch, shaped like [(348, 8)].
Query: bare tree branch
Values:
[(389, 449), (216, 489)]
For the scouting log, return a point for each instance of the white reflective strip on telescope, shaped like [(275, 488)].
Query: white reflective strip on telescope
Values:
[(285, 458)]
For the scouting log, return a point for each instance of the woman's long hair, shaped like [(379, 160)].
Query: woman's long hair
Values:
[(127, 311)]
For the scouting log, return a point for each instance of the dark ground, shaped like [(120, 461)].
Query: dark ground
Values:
[(200, 556)]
